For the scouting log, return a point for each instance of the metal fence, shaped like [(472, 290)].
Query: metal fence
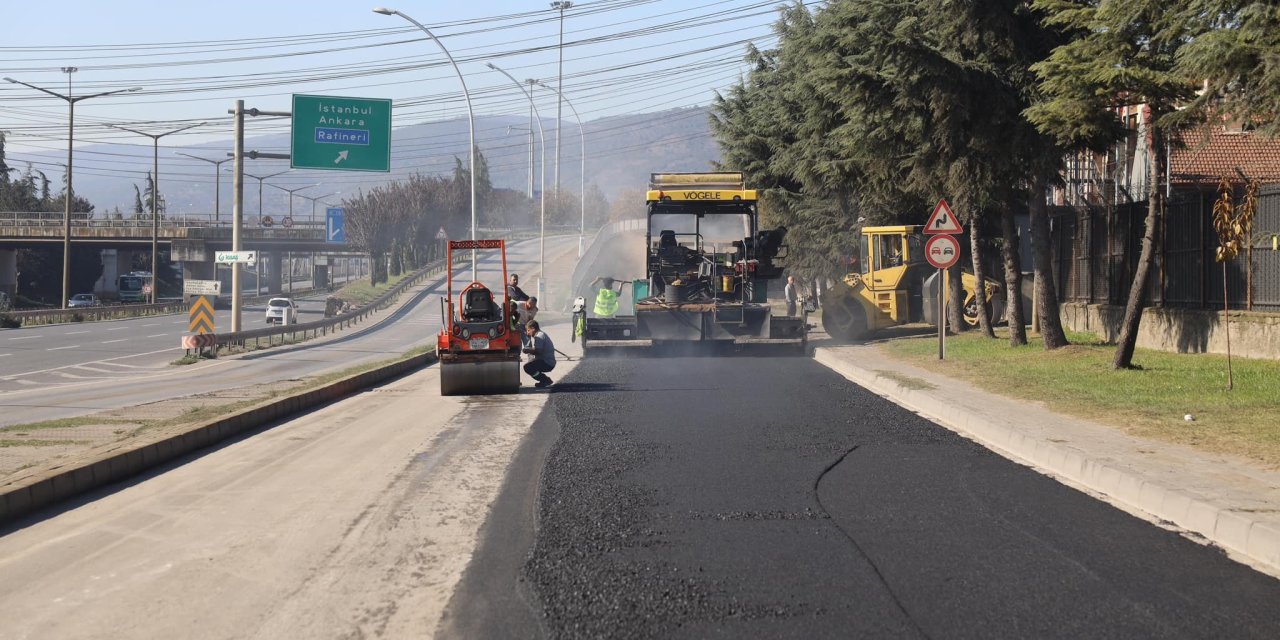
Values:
[(1097, 248)]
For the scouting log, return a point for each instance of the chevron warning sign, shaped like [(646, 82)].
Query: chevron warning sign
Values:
[(201, 341), (200, 315)]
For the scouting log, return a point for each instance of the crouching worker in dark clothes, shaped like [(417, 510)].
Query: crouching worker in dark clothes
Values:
[(542, 352)]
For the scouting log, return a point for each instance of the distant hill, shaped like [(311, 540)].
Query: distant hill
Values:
[(622, 152)]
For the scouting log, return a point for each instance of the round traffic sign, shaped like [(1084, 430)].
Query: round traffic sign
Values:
[(942, 251), (267, 221), (287, 222)]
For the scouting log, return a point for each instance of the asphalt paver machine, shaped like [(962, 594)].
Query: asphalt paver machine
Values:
[(479, 346), (708, 268)]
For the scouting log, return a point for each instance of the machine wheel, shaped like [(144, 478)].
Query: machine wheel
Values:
[(842, 316), (971, 311)]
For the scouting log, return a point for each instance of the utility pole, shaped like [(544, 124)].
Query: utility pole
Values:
[(237, 208), (531, 139), (155, 193), (237, 226), (71, 129), (562, 6)]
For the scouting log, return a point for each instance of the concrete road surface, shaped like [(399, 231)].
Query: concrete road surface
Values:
[(771, 498), (353, 521), (106, 372)]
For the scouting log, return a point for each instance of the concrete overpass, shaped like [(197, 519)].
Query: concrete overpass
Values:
[(193, 239)]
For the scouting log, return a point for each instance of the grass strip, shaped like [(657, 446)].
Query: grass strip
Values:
[(360, 293), (1149, 402)]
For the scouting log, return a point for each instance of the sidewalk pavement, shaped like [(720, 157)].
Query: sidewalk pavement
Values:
[(1227, 501)]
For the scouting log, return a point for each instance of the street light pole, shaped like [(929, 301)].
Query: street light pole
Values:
[(71, 125), (561, 6), (290, 219), (155, 191), (582, 189), (471, 118), (260, 179), (315, 200), (542, 234), (217, 183)]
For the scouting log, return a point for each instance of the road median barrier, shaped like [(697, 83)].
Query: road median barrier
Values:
[(40, 488)]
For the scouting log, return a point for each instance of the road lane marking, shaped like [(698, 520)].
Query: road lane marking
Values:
[(5, 355), (118, 329), (158, 335), (110, 341), (110, 361), (153, 324), (74, 333), (71, 346), (26, 337)]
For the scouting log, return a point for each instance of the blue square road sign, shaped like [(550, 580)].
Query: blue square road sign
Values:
[(334, 231)]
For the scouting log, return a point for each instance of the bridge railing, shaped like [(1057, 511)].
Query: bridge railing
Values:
[(140, 221)]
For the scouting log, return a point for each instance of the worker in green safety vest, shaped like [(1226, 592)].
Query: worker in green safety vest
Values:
[(607, 297)]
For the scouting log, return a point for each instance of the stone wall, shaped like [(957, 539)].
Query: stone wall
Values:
[(1253, 335)]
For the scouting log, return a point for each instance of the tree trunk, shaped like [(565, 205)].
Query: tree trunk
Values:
[(979, 272), (1138, 290), (1013, 279), (1046, 294), (955, 304)]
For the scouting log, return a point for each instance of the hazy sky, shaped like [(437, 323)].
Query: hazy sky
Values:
[(193, 59)]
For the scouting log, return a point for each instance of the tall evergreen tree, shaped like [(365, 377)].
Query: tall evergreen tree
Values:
[(1123, 52), (1238, 56)]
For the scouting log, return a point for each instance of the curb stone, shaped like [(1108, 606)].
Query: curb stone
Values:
[(1237, 531)]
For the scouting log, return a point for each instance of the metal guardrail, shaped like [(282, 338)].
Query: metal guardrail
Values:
[(323, 327), (30, 317), (581, 278)]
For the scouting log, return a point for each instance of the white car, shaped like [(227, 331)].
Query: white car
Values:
[(282, 311)]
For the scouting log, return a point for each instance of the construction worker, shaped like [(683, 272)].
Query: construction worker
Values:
[(525, 312), (538, 345), (791, 295), (514, 292), (607, 297)]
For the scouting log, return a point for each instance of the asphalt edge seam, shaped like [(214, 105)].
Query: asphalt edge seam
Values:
[(27, 497), (1234, 531)]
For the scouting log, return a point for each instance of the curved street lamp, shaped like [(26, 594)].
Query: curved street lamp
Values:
[(217, 182), (582, 189), (71, 130), (471, 118), (542, 234), (155, 193)]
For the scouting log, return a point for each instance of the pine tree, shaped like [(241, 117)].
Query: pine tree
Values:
[(1237, 58), (1122, 52)]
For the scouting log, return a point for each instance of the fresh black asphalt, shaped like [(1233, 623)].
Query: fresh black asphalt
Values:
[(771, 498)]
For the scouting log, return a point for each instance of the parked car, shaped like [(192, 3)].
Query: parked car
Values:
[(282, 311), (83, 300)]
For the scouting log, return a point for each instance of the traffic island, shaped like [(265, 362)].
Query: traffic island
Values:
[(162, 432)]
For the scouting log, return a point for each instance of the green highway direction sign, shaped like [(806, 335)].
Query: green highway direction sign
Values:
[(341, 134)]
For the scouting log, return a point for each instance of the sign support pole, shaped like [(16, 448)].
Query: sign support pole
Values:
[(237, 221), (942, 314)]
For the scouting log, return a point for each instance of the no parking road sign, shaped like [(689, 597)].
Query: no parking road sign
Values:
[(942, 251)]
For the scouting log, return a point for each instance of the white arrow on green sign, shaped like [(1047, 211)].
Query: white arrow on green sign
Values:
[(228, 257), (341, 134)]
